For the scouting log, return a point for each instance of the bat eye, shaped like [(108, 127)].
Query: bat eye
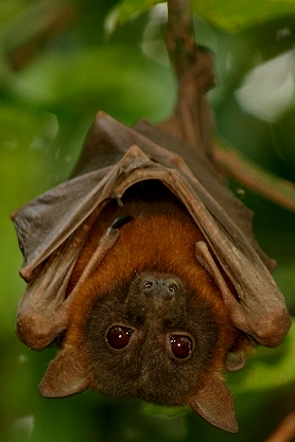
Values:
[(118, 336), (181, 346)]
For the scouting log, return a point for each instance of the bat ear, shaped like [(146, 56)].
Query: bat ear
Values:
[(235, 360), (65, 376), (214, 403)]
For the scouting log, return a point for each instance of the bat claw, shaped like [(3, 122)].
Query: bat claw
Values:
[(121, 221)]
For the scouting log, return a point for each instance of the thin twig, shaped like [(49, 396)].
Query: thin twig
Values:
[(37, 26), (285, 431), (271, 187)]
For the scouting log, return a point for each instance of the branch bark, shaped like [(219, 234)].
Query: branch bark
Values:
[(285, 431), (192, 118), (268, 185), (180, 38)]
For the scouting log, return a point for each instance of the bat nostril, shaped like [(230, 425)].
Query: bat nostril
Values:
[(172, 287), (150, 287)]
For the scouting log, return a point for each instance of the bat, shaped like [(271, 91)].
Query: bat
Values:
[(143, 270)]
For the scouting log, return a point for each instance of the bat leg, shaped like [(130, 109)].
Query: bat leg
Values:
[(106, 243), (236, 359), (236, 310), (265, 319), (205, 258), (43, 310)]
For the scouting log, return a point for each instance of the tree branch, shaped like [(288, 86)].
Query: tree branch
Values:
[(285, 431), (271, 187), (192, 119), (180, 39)]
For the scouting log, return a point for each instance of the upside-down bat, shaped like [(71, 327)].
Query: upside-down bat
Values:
[(143, 270)]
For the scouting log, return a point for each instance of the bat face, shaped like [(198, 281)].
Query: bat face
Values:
[(151, 340)]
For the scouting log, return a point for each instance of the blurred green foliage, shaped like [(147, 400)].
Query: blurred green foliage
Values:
[(56, 71), (231, 16)]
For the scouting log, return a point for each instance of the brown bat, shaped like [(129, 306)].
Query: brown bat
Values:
[(144, 271)]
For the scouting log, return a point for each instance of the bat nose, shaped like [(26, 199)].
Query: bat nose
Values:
[(159, 288)]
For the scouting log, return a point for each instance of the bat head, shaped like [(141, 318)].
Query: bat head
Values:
[(153, 339), (143, 344)]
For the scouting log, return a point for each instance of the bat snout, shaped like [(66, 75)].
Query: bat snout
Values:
[(159, 288)]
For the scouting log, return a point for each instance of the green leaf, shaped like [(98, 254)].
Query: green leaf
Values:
[(231, 15), (234, 15), (9, 8), (126, 10)]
